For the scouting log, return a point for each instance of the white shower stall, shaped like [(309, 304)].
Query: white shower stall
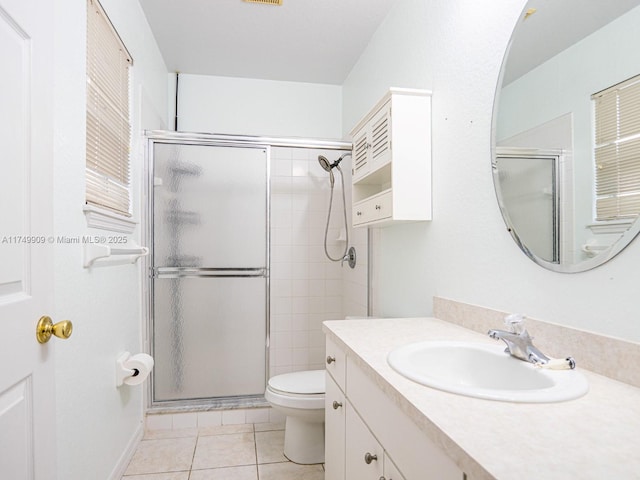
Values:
[(239, 283)]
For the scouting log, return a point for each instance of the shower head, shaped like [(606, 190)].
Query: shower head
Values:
[(324, 163), (327, 165)]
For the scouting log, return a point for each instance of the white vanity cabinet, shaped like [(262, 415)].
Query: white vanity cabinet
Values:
[(391, 472), (368, 437), (334, 425), (392, 160), (364, 456)]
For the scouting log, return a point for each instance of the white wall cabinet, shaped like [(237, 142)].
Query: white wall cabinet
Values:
[(392, 160), (368, 437)]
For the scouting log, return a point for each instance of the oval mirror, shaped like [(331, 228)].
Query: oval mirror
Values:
[(566, 132)]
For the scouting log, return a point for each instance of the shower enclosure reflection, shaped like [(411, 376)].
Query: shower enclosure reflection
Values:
[(527, 186)]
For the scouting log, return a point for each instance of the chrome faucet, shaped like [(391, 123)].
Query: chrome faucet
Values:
[(520, 344)]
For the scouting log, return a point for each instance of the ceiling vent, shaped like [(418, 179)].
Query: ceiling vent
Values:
[(266, 2)]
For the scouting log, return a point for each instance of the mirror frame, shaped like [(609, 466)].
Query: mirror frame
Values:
[(601, 258)]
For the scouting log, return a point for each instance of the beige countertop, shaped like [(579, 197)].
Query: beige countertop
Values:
[(594, 437)]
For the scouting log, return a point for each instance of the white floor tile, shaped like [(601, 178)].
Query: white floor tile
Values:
[(225, 429), (159, 476), (166, 455), (290, 471), (225, 451), (163, 434), (249, 472), (218, 452), (266, 427), (270, 446)]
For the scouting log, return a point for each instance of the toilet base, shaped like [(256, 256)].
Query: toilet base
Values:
[(304, 441)]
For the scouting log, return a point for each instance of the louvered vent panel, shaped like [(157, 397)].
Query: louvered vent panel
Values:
[(380, 137), (266, 2), (360, 152)]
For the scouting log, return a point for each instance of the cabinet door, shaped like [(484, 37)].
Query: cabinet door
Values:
[(334, 453), (391, 472), (416, 454), (364, 455), (361, 146), (380, 138)]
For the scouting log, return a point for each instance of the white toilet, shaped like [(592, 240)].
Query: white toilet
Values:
[(300, 396)]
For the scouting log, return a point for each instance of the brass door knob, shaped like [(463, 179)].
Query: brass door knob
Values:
[(46, 328)]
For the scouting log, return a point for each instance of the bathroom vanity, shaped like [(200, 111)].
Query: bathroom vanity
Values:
[(379, 424), (367, 432)]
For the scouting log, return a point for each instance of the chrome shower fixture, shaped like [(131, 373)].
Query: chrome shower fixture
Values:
[(324, 163), (328, 166)]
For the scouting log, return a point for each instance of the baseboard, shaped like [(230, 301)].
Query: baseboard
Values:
[(127, 454)]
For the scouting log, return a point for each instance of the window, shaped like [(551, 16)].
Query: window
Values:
[(617, 151), (108, 128)]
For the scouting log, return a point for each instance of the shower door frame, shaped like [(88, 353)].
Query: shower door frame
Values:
[(214, 140)]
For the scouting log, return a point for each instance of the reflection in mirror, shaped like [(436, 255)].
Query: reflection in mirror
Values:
[(566, 162), (527, 182)]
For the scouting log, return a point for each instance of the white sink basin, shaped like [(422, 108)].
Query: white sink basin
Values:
[(484, 371)]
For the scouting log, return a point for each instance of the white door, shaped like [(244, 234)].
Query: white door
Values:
[(27, 386)]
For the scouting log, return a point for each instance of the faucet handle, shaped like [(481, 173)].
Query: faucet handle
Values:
[(515, 322)]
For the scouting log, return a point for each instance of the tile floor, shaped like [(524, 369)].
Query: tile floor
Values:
[(227, 452)]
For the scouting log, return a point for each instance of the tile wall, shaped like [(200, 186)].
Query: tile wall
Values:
[(307, 288)]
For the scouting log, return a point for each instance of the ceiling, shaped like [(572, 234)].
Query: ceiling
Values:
[(555, 26), (302, 40), (320, 41)]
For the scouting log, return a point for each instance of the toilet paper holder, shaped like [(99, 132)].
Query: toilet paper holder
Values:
[(123, 371)]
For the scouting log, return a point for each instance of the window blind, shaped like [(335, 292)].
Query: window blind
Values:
[(617, 150), (108, 128)]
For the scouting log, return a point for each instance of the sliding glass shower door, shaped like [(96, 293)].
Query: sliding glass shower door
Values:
[(210, 271)]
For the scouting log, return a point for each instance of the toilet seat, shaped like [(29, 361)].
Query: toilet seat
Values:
[(302, 390), (310, 382)]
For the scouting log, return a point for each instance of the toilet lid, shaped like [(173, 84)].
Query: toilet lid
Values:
[(307, 382)]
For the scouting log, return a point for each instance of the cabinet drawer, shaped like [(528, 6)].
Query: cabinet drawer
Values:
[(373, 209), (336, 363)]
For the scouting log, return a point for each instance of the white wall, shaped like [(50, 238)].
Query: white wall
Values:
[(465, 253), (96, 422), (258, 107)]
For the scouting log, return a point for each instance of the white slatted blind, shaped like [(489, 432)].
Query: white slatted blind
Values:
[(617, 151), (108, 128)]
